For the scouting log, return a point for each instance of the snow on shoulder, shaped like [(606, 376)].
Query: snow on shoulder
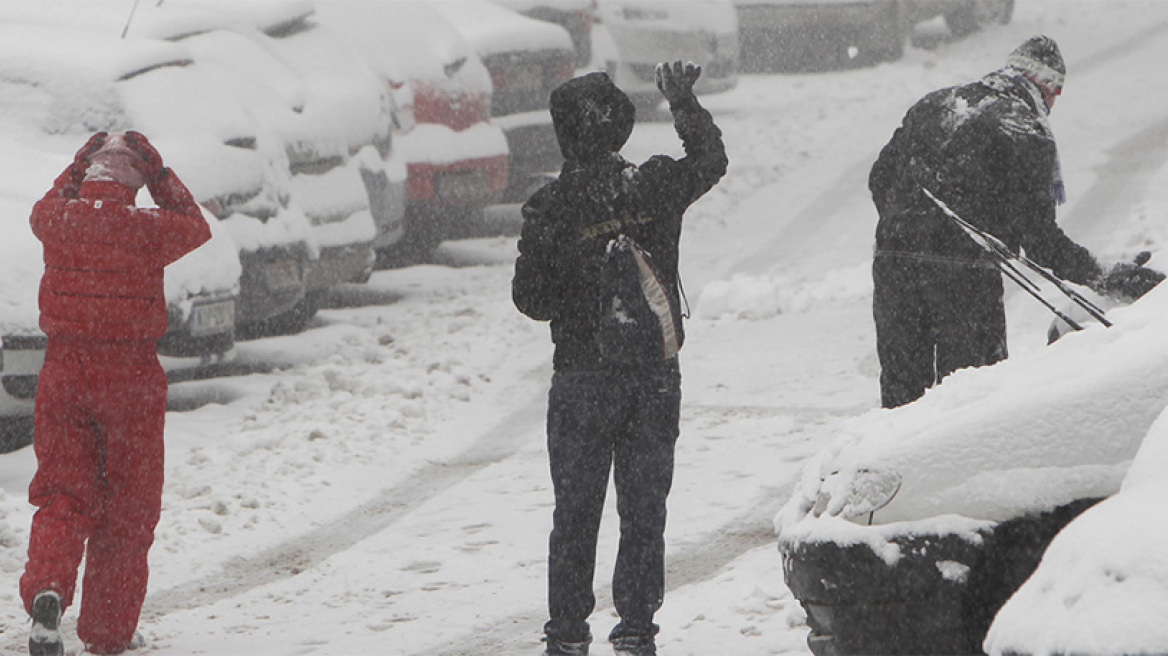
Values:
[(1026, 435)]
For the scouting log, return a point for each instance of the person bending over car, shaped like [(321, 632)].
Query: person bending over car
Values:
[(101, 395), (986, 151)]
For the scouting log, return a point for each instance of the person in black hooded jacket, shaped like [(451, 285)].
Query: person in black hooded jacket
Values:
[(605, 414), (985, 150)]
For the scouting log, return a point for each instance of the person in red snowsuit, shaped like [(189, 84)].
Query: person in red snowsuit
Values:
[(101, 397)]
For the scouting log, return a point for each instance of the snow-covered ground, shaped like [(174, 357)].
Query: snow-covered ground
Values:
[(384, 489)]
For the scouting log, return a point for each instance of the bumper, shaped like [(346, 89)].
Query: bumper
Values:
[(272, 282), (938, 596), (203, 329), (22, 357), (472, 182), (340, 264)]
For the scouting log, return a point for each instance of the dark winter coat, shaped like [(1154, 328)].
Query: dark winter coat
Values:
[(568, 223), (986, 151), (104, 257)]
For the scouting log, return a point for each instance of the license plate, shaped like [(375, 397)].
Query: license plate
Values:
[(211, 318), (283, 274), (525, 77), (462, 186)]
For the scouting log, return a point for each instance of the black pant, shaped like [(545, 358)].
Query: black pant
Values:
[(932, 318), (627, 421)]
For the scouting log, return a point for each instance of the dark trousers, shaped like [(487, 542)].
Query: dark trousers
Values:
[(626, 421), (933, 318)]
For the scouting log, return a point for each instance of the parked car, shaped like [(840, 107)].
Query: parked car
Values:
[(456, 158), (802, 33), (58, 86), (1102, 585), (575, 16), (337, 135), (635, 35), (911, 532), (527, 58)]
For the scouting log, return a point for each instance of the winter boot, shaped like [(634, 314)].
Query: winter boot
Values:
[(44, 639), (634, 639), (634, 646), (558, 647)]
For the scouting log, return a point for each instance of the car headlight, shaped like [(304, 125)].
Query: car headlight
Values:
[(855, 494)]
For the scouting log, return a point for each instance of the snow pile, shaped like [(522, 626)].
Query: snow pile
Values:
[(1102, 586)]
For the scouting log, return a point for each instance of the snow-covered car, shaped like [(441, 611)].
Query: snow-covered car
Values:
[(456, 158), (912, 530), (337, 135), (575, 16), (1102, 585), (776, 33), (242, 189), (633, 36), (57, 87), (527, 58)]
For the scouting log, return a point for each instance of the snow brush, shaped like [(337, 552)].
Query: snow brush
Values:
[(1003, 256)]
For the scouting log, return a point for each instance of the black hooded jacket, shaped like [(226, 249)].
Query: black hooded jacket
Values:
[(568, 223), (986, 152)]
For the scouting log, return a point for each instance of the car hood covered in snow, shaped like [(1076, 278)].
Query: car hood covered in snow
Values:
[(1026, 435)]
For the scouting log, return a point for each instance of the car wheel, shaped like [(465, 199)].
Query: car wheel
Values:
[(885, 41), (962, 20)]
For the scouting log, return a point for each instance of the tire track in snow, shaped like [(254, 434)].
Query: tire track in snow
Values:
[(703, 560), (242, 574)]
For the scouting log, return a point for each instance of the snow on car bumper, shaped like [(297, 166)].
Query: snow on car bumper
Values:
[(927, 587)]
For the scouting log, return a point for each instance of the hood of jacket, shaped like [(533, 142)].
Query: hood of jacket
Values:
[(592, 117)]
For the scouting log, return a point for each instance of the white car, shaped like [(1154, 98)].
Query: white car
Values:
[(633, 36), (814, 33), (575, 16)]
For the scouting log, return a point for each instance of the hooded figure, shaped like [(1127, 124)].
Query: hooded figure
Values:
[(606, 414), (101, 395), (986, 150)]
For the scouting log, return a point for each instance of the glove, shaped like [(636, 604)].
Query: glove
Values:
[(676, 80), (84, 156), (1127, 281), (149, 162)]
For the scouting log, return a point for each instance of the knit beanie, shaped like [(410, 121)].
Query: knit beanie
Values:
[(1039, 59)]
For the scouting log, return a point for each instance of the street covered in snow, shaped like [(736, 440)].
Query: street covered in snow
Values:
[(379, 484)]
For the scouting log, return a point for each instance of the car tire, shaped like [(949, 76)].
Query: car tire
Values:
[(967, 17), (963, 20)]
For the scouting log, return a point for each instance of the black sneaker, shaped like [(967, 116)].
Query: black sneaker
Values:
[(44, 638), (634, 646)]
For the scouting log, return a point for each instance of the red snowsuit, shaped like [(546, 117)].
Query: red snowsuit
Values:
[(101, 397)]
